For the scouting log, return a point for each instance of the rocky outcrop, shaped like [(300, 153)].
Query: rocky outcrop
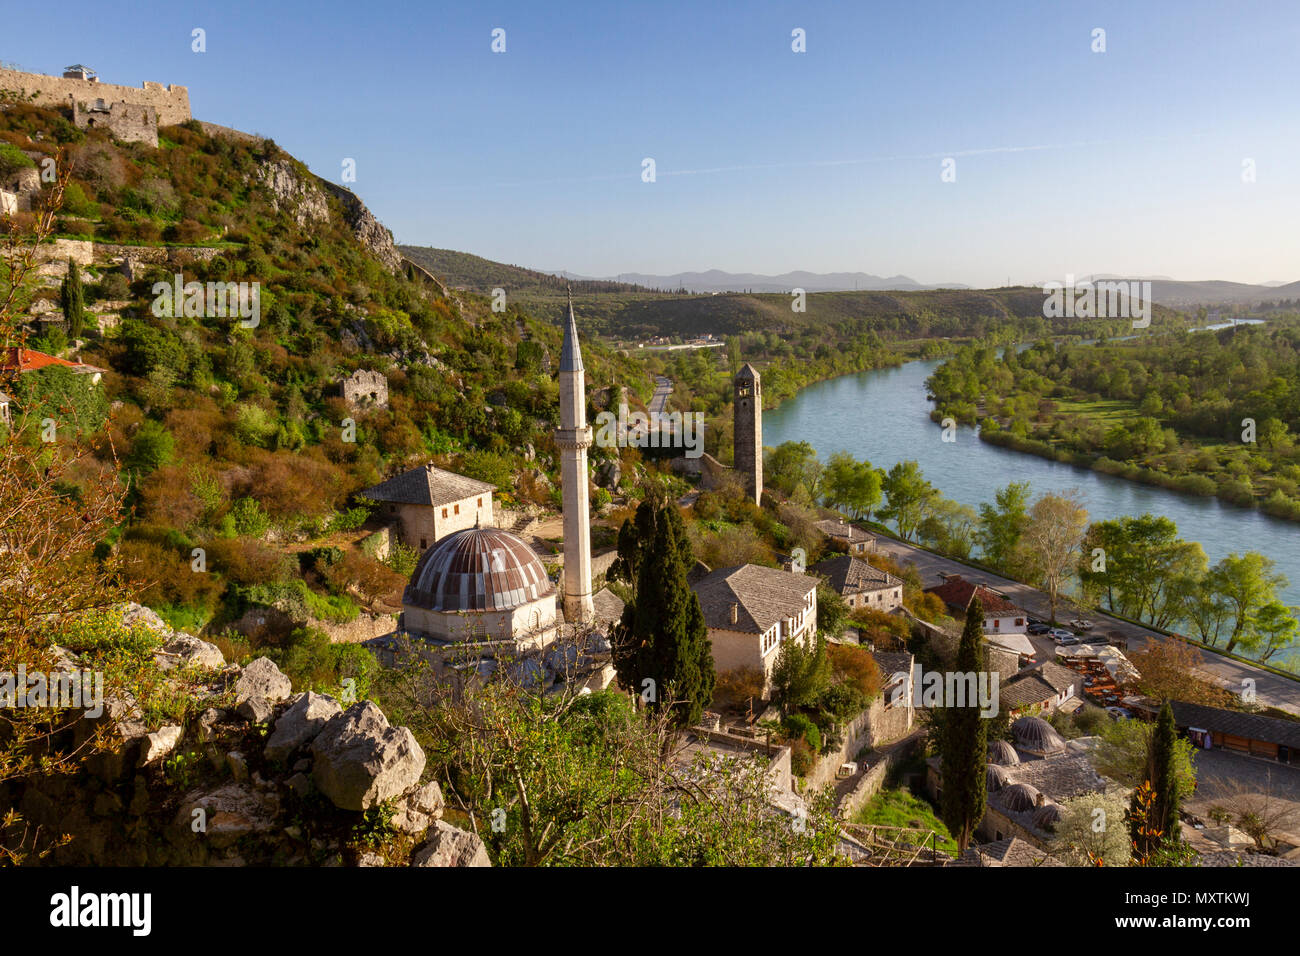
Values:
[(216, 791), (448, 846), (359, 761), (306, 717), (370, 232), (290, 191), (187, 650)]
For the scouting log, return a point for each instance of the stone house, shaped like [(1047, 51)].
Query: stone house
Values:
[(428, 504), (861, 584), (366, 389), (1000, 615), (1043, 688), (751, 611), (849, 536)]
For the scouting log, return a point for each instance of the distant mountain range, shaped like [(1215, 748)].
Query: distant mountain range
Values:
[(1209, 292), (715, 280)]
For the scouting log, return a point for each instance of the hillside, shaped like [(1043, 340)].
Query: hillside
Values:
[(629, 312), (236, 440)]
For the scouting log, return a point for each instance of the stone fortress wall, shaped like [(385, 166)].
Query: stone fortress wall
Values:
[(170, 102)]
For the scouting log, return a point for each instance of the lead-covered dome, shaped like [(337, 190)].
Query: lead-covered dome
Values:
[(1037, 736), (1003, 754), (479, 569)]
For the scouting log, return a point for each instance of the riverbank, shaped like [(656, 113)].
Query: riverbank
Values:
[(1273, 687)]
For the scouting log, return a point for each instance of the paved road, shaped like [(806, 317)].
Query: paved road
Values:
[(1270, 689), (663, 388)]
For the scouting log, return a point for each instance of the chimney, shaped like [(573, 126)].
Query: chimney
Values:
[(735, 612)]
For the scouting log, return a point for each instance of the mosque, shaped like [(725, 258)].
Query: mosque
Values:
[(485, 586)]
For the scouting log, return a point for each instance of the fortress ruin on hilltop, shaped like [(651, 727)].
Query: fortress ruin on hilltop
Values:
[(132, 114)]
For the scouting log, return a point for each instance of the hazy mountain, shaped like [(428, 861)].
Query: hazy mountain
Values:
[(715, 280), (1209, 292)]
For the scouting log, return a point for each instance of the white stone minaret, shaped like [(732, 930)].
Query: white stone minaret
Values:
[(573, 438)]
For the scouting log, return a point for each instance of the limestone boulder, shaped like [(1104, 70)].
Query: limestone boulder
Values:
[(159, 744), (416, 812), (360, 761), (450, 846), (262, 678), (185, 649), (305, 717)]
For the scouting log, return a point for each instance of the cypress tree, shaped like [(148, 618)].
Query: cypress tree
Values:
[(1158, 826), (964, 741), (72, 299), (662, 636)]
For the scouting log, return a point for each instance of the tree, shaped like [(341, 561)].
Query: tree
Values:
[(909, 497), (1155, 823), (1169, 671), (964, 754), (661, 646), (1247, 583), (1050, 543), (801, 674), (1276, 628), (1002, 524), (1089, 832), (73, 300), (949, 527), (792, 468), (851, 486), (832, 611)]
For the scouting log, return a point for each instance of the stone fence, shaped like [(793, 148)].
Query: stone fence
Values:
[(879, 722), (872, 781)]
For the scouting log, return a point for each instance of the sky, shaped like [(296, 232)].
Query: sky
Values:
[(1067, 161)]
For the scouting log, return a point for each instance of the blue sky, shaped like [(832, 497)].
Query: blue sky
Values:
[(1067, 161)]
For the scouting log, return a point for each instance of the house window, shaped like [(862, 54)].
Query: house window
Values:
[(997, 623), (392, 509), (480, 502), (457, 509), (423, 544), (1019, 621), (444, 512)]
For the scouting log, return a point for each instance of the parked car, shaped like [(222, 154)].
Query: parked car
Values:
[(1038, 628), (1062, 636), (1096, 639), (1119, 713), (1079, 624)]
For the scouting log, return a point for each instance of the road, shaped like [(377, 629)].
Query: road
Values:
[(1270, 689), (663, 388)]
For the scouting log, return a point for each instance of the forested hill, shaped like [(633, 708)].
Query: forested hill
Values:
[(622, 311), (230, 436)]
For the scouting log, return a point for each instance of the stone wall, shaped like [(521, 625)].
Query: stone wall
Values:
[(871, 782), (873, 726), (126, 121), (171, 103), (366, 389), (225, 132)]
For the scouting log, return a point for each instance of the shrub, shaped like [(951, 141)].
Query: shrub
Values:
[(799, 727)]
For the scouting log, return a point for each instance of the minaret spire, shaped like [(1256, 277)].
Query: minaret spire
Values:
[(573, 438)]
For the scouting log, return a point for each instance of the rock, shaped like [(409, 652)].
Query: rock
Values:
[(302, 766), (370, 859), (609, 474), (185, 649), (238, 765), (266, 625), (449, 846), (256, 710), (360, 761), (416, 812), (207, 723), (262, 679), (159, 744), (299, 783), (133, 614), (230, 812), (306, 716)]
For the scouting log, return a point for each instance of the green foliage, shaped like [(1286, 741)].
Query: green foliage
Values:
[(72, 299), (801, 674), (964, 741), (662, 637), (152, 446), (55, 391)]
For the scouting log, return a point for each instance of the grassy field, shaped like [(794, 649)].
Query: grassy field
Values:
[(898, 808)]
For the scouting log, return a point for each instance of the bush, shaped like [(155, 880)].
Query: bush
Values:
[(799, 727)]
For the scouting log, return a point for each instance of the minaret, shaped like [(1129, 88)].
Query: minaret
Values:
[(748, 431), (573, 438)]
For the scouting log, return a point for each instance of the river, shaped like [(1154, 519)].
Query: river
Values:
[(884, 417)]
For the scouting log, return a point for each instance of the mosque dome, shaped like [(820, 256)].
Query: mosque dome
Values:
[(995, 777), (1020, 796), (1002, 753), (1037, 736), (1047, 816), (478, 569)]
